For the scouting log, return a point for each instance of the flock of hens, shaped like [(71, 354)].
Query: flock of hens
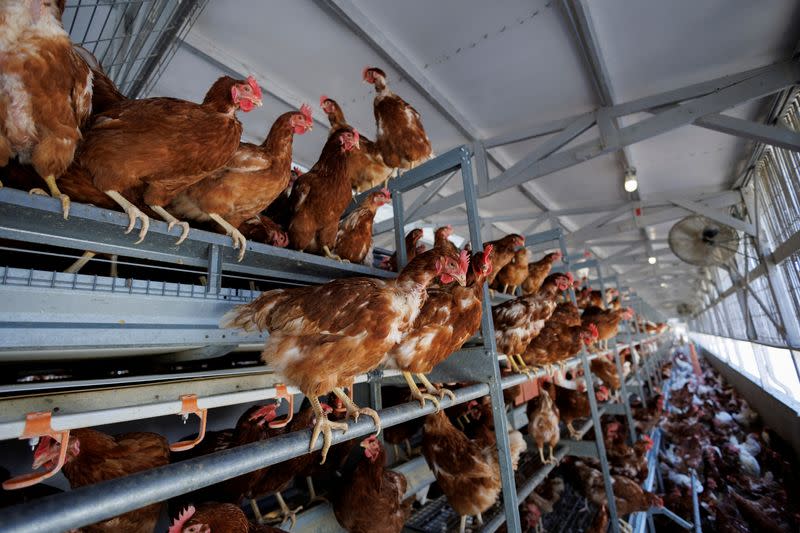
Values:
[(745, 474), (63, 121)]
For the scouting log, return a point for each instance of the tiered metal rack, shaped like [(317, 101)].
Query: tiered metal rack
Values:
[(51, 315)]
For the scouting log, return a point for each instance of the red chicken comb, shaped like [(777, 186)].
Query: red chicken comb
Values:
[(487, 250), (356, 136), (386, 192), (593, 331), (570, 277), (305, 109), (364, 74), (254, 85), (557, 255), (463, 261), (587, 253), (322, 100), (183, 517)]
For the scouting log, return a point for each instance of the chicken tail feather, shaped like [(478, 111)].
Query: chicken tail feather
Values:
[(252, 316)]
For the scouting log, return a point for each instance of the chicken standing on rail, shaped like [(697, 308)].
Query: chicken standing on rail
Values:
[(450, 316), (537, 271), (45, 91), (153, 149), (321, 337), (401, 138), (249, 181), (517, 322), (354, 238), (320, 196)]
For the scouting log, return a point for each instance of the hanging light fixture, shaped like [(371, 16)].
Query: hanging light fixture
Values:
[(651, 260), (631, 183)]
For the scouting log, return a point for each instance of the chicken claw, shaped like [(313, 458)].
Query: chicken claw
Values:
[(624, 526), (324, 426), (239, 242), (573, 433), (419, 395), (133, 213), (441, 391), (331, 255), (172, 222), (354, 411)]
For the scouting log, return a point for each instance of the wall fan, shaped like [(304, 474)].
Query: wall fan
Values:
[(700, 241)]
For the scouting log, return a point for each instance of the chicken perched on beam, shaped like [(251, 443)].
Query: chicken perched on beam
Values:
[(517, 322), (368, 169), (320, 196), (46, 92), (450, 316), (322, 337), (249, 181), (153, 149), (401, 139), (537, 271), (606, 320), (513, 274), (354, 238), (558, 341), (543, 422), (504, 250)]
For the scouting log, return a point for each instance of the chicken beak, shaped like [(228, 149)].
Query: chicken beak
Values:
[(51, 454), (461, 278)]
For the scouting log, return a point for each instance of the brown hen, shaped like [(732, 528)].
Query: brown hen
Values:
[(367, 169), (354, 238), (320, 196), (153, 149), (371, 486), (47, 92), (249, 181), (401, 139), (93, 456), (322, 337)]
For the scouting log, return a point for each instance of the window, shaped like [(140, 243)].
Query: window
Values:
[(774, 369)]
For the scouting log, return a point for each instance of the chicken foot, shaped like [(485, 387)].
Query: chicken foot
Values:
[(354, 411), (439, 390), (518, 365), (284, 513), (172, 221), (55, 193), (313, 493), (624, 526), (133, 213), (239, 242), (419, 395), (572, 431), (331, 255), (324, 426)]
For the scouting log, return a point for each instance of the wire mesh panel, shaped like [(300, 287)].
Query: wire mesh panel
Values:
[(132, 39)]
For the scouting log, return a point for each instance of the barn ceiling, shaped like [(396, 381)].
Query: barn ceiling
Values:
[(477, 70)]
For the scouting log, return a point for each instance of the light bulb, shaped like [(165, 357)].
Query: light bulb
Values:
[(651, 260), (631, 183)]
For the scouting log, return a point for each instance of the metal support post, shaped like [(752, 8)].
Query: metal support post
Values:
[(214, 270), (598, 429), (634, 363), (626, 403), (510, 503), (399, 229)]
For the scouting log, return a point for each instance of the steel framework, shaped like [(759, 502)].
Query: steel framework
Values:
[(103, 314)]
